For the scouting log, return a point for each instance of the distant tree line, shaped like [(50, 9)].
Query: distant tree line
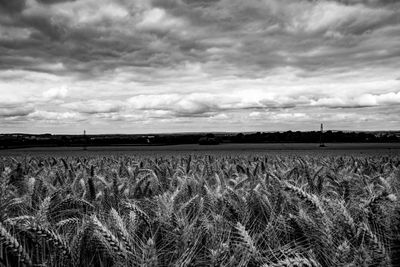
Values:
[(26, 140), (314, 137)]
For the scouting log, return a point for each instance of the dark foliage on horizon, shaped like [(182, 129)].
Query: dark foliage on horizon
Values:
[(26, 140)]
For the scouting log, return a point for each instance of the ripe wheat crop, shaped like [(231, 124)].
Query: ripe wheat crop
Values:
[(200, 210)]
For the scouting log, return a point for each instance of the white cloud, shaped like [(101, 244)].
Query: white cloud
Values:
[(56, 93), (335, 17), (94, 106), (158, 19), (364, 100), (60, 117), (255, 114)]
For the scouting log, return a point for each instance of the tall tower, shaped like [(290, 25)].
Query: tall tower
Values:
[(321, 140), (84, 140)]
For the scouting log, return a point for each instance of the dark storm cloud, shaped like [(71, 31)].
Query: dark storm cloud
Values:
[(6, 112), (256, 34), (12, 6), (200, 2), (367, 2), (83, 48), (17, 6), (54, 1), (46, 28), (250, 34)]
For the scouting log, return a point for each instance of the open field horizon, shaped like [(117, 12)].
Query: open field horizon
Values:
[(275, 148)]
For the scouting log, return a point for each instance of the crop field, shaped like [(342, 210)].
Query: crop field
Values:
[(301, 149), (226, 208)]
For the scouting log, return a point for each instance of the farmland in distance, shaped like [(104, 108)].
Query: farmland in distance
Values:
[(232, 149)]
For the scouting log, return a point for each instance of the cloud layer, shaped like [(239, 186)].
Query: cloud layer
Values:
[(205, 65)]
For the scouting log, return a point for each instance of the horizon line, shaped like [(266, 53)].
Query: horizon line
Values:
[(198, 132)]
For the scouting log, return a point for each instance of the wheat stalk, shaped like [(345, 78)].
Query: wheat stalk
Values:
[(112, 241), (51, 237), (311, 199), (294, 262), (14, 247)]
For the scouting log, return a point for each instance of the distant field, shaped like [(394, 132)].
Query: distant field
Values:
[(281, 148)]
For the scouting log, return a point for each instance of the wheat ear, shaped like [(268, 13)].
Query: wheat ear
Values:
[(15, 248)]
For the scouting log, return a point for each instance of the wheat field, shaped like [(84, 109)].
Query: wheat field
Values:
[(200, 210)]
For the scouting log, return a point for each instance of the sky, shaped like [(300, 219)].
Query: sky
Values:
[(158, 66)]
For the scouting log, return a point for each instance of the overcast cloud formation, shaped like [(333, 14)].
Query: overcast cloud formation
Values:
[(123, 66)]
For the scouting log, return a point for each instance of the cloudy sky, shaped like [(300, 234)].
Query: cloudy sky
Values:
[(125, 66)]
